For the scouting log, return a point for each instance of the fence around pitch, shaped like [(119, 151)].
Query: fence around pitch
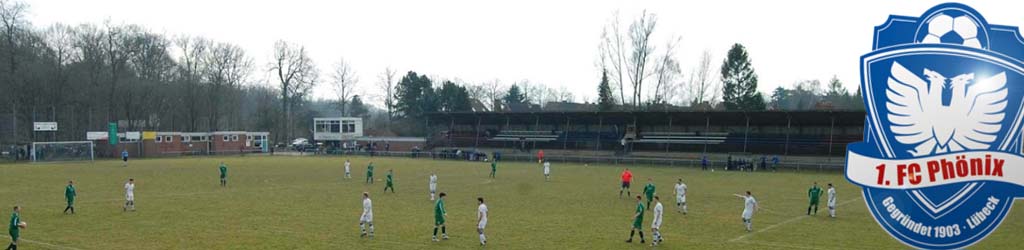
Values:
[(613, 160)]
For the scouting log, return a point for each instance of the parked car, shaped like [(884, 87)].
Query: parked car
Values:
[(299, 144)]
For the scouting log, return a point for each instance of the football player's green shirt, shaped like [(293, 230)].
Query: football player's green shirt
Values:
[(369, 170), (15, 219), (439, 211), (640, 215), (389, 179), (814, 193), (69, 193), (494, 167), (223, 171), (649, 191)]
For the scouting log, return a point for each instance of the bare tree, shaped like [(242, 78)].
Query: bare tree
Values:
[(85, 75), (535, 93), (88, 42), (12, 19), (612, 50), (191, 63), (703, 86), (118, 49), (565, 95), (640, 56), (386, 83), (296, 74), (494, 91), (227, 68), (343, 80), (666, 75), (151, 65), (60, 45), (477, 93), (546, 95)]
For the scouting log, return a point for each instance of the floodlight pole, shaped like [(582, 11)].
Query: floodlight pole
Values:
[(746, 132), (600, 129), (707, 128), (507, 124), (667, 145), (476, 142), (565, 141), (789, 123), (451, 126), (831, 128), (535, 128)]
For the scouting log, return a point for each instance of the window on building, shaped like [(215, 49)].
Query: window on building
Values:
[(322, 126), (226, 137), (186, 139), (335, 126), (168, 138), (328, 126), (159, 139), (234, 137), (348, 126)]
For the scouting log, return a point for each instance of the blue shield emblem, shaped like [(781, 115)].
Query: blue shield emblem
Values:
[(941, 161)]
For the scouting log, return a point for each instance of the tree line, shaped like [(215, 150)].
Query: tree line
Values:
[(630, 60), (84, 76)]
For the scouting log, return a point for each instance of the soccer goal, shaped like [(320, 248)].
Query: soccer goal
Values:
[(62, 151)]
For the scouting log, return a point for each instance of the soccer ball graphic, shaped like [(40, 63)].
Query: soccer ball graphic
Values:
[(961, 30)]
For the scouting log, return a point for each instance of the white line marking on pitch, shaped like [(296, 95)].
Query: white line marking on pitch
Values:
[(80, 201), (48, 244), (791, 220)]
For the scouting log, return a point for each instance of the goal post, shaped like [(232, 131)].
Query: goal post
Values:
[(63, 151)]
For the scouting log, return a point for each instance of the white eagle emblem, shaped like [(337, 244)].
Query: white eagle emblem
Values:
[(970, 120)]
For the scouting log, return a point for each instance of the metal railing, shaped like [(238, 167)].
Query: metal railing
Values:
[(611, 160)]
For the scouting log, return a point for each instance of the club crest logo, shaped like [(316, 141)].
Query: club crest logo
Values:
[(942, 158)]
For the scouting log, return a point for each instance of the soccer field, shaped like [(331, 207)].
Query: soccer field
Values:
[(304, 203)]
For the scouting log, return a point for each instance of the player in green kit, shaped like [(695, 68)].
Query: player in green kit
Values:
[(638, 220), (494, 168), (814, 193), (439, 216), (369, 173), (649, 191), (390, 182), (223, 175), (15, 228), (69, 195)]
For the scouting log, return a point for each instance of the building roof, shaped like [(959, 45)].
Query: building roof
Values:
[(680, 118), (569, 107)]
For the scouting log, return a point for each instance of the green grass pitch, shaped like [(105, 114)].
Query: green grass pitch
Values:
[(304, 203)]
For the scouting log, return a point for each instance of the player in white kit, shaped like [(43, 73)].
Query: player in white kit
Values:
[(681, 196), (433, 185), (547, 171), (129, 195), (831, 201), (481, 220), (749, 208), (367, 217), (348, 169), (659, 211)]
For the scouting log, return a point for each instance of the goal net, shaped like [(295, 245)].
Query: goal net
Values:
[(62, 151)]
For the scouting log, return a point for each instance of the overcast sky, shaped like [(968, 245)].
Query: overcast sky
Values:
[(547, 42)]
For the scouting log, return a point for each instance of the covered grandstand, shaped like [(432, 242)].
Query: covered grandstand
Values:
[(784, 133)]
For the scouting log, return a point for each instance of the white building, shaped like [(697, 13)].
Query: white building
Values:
[(337, 128)]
